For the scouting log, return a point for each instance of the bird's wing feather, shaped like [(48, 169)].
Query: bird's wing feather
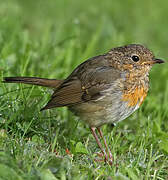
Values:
[(98, 81), (69, 93), (82, 86)]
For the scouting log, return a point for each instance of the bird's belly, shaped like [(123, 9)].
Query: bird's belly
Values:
[(107, 109)]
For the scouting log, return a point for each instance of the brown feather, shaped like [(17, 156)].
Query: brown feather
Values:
[(68, 94), (52, 83)]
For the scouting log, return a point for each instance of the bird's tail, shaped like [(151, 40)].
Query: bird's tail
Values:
[(52, 83)]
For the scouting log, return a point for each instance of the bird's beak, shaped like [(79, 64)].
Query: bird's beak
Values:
[(158, 61), (154, 61)]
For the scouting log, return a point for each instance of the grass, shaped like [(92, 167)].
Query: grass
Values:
[(49, 39)]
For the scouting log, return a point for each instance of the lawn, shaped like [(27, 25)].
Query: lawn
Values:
[(49, 39)]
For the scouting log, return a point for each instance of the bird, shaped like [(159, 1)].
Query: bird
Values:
[(104, 89)]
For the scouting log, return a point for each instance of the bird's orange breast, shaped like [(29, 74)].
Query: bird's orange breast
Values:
[(135, 97)]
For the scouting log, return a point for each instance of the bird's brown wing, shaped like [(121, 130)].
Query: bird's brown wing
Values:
[(99, 80), (84, 84), (67, 94), (78, 90)]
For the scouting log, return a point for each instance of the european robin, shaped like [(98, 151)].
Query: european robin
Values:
[(103, 89)]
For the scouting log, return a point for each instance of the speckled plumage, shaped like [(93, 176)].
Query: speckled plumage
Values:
[(106, 86), (104, 89)]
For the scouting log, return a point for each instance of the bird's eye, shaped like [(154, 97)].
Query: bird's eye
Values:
[(135, 58)]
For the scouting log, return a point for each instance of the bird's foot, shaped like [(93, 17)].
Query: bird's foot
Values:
[(103, 158)]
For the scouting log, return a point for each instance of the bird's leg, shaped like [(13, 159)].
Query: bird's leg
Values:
[(98, 142), (104, 140)]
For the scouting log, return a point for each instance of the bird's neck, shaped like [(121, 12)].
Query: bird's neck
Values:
[(137, 78), (135, 89)]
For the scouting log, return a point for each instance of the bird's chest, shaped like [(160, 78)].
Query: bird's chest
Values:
[(135, 88), (120, 104), (115, 104), (135, 96)]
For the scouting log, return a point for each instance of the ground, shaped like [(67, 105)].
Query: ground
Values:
[(49, 39)]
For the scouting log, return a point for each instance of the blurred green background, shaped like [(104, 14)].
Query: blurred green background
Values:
[(49, 39)]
